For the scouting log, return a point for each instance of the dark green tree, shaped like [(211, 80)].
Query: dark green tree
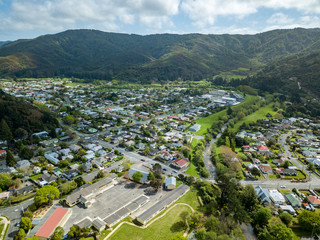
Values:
[(5, 132), (136, 177), (10, 159)]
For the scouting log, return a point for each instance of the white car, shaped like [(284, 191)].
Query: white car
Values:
[(282, 186)]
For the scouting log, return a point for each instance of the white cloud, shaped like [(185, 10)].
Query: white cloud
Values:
[(280, 18), (205, 12), (53, 15)]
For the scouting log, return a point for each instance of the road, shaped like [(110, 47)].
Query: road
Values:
[(14, 213)]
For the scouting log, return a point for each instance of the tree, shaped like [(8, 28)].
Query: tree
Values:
[(156, 170), (286, 218), (249, 198), (286, 164), (67, 187), (204, 172), (307, 219), (21, 133), (45, 195), (26, 153), (151, 177), (201, 234), (195, 219), (74, 232), (136, 177), (5, 132), (58, 233), (100, 174), (126, 165), (262, 216), (21, 234), (25, 224), (10, 159), (156, 183), (79, 181), (28, 214), (255, 171), (281, 232)]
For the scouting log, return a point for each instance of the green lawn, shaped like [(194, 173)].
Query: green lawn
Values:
[(299, 176), (207, 122), (191, 198), (260, 114), (194, 142), (192, 170), (35, 177), (272, 176), (103, 234), (163, 229)]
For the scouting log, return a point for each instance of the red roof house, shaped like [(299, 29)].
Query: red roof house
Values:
[(58, 218), (263, 148), (314, 201), (180, 163), (3, 153)]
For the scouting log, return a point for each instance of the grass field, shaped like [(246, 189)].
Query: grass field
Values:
[(192, 170), (260, 114), (207, 122), (162, 229), (190, 198)]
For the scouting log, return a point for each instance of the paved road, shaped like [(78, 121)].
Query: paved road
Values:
[(14, 213)]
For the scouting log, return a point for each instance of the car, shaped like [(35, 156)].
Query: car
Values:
[(164, 169), (143, 160), (282, 186), (175, 171), (18, 224)]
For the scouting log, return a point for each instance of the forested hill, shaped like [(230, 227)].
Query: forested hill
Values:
[(294, 74), (4, 42), (99, 55), (19, 119)]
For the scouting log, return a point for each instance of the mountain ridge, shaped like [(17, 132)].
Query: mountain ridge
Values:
[(95, 54)]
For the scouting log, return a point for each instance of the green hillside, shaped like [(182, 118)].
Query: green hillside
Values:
[(295, 74), (94, 54), (22, 118)]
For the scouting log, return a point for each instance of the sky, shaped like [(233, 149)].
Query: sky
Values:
[(20, 19)]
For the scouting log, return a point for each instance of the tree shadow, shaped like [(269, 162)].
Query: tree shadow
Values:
[(178, 227)]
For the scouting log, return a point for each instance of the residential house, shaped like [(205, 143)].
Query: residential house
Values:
[(293, 200), (74, 148), (90, 155), (288, 172), (47, 178), (25, 190), (3, 153), (23, 165), (314, 200), (276, 197), (179, 163), (52, 157), (87, 166), (263, 194), (265, 168), (4, 195), (170, 183), (166, 156)]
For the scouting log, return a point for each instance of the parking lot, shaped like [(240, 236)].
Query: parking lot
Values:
[(113, 199)]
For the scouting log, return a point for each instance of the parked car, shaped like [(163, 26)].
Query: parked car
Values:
[(143, 160)]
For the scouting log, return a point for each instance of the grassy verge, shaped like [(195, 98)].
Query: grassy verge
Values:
[(163, 229), (192, 170), (207, 122), (257, 115), (191, 198)]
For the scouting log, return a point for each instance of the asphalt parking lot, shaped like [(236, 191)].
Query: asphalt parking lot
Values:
[(113, 199)]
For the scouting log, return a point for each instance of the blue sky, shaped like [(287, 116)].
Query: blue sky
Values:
[(31, 18)]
